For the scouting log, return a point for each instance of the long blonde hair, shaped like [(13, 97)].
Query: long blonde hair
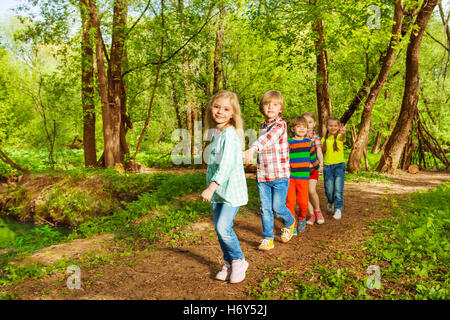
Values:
[(236, 120)]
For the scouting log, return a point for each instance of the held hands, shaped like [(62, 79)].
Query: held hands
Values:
[(247, 156)]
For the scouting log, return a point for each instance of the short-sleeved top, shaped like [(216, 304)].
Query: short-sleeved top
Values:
[(226, 168), (330, 156), (302, 154)]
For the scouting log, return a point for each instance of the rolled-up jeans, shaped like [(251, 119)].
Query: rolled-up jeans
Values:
[(333, 178), (272, 198), (223, 216)]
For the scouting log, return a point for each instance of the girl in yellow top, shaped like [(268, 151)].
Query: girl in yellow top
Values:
[(334, 165)]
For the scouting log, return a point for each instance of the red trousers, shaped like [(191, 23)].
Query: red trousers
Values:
[(298, 192)]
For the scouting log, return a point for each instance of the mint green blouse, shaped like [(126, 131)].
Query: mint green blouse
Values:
[(226, 168)]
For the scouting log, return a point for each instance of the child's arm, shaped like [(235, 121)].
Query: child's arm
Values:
[(208, 192), (224, 169), (313, 157), (264, 141), (319, 154)]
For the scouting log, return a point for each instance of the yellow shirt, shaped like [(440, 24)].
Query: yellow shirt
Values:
[(331, 156)]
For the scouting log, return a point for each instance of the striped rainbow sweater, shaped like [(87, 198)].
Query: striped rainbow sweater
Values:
[(301, 154)]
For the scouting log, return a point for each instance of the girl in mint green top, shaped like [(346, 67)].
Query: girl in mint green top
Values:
[(225, 178)]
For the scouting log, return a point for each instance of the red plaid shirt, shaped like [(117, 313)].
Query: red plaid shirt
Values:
[(273, 151)]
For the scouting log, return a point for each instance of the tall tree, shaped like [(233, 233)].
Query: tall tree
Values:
[(324, 108), (87, 86), (399, 137), (360, 145)]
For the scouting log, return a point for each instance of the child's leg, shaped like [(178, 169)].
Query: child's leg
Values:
[(223, 216), (279, 194), (339, 186), (302, 198), (328, 182), (313, 196), (292, 198), (265, 201)]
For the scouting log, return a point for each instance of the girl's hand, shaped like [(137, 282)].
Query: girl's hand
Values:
[(206, 195), (321, 169), (208, 192), (248, 156), (342, 129)]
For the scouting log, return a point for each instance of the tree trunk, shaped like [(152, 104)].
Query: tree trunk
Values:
[(115, 80), (125, 123), (6, 159), (376, 146), (87, 87), (176, 105), (390, 128), (108, 151), (399, 137), (324, 109), (354, 160), (407, 154)]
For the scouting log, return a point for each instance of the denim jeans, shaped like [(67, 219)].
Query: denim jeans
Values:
[(223, 216), (333, 178), (272, 197)]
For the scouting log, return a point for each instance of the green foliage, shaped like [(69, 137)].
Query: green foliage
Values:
[(415, 243), (411, 247), (19, 239)]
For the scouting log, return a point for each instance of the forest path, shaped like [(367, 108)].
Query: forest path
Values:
[(187, 269)]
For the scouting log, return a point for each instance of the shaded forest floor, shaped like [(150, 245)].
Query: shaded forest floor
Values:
[(185, 267)]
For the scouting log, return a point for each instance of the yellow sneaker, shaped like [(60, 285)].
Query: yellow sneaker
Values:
[(266, 245), (286, 233)]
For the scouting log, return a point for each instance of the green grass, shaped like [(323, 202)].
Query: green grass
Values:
[(410, 247), (155, 195)]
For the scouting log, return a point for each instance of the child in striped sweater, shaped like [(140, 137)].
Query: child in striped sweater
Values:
[(301, 154)]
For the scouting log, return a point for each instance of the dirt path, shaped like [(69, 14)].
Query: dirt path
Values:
[(187, 272)]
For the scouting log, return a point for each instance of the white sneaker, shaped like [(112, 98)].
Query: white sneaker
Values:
[(337, 214), (238, 269), (225, 273)]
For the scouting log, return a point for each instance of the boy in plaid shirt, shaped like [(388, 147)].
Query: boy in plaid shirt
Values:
[(273, 169)]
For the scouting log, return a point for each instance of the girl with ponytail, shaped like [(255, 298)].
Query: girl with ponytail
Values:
[(334, 166)]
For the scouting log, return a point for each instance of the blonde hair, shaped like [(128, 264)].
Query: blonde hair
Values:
[(236, 120), (269, 96), (312, 115)]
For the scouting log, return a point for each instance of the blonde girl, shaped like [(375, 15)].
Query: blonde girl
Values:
[(315, 214), (225, 178)]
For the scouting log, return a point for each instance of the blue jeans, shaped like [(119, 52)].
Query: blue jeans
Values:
[(272, 198), (333, 178), (223, 216)]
